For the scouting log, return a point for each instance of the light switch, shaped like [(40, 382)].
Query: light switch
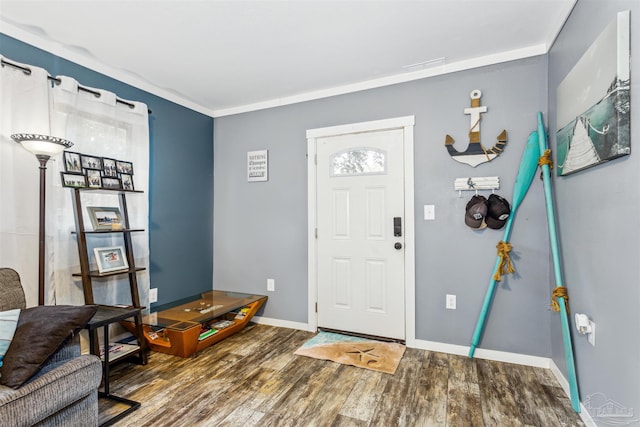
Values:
[(429, 212)]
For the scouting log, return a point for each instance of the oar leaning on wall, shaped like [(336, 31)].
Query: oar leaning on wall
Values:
[(528, 167), (559, 298), (536, 152)]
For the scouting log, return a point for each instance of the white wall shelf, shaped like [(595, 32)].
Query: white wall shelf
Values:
[(476, 184)]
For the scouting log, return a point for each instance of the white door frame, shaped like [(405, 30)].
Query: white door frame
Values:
[(406, 123)]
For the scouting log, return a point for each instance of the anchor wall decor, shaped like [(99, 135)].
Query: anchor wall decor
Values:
[(475, 153)]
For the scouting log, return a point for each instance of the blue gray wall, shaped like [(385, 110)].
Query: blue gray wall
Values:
[(260, 229), (181, 173), (598, 227)]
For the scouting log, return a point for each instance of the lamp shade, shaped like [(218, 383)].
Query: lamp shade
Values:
[(41, 145)]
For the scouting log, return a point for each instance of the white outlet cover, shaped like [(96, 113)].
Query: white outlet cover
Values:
[(153, 295), (429, 212), (451, 302)]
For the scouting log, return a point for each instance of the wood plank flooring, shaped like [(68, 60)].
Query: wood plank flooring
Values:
[(254, 379)]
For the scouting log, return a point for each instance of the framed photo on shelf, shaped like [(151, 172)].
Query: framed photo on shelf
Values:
[(73, 180), (72, 162), (111, 183), (94, 178), (109, 167), (127, 182), (124, 167), (110, 259), (105, 218), (91, 162)]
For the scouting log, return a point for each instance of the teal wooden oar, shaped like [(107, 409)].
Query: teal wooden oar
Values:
[(557, 269), (528, 167)]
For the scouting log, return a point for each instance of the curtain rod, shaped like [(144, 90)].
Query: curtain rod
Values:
[(27, 71)]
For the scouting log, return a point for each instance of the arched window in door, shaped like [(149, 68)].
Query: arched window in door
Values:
[(358, 161)]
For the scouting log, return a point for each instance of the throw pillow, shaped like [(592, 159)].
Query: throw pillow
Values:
[(8, 323), (41, 331)]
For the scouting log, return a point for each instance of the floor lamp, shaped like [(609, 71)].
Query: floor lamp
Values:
[(43, 146)]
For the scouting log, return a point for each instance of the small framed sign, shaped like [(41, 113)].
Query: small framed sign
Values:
[(110, 259), (258, 166)]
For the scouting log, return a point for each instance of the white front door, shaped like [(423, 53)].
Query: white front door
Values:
[(360, 228)]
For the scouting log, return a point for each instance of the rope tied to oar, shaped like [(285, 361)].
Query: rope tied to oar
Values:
[(546, 159), (505, 266), (559, 292)]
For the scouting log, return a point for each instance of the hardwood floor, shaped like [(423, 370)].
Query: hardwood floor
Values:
[(254, 379)]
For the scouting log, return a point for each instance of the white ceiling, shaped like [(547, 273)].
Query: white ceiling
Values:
[(223, 57)]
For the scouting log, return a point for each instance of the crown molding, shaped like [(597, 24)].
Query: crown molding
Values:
[(60, 50), (512, 55), (139, 83)]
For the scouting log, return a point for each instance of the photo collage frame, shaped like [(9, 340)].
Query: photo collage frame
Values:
[(88, 171)]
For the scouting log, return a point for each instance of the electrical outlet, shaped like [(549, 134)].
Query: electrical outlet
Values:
[(153, 295), (271, 285), (591, 337), (451, 302)]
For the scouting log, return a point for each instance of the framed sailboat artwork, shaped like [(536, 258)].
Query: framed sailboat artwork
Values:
[(593, 103)]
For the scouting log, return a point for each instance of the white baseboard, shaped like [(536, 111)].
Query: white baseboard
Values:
[(564, 383), (281, 323), (480, 353)]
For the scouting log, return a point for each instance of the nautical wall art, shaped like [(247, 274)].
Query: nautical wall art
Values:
[(475, 153), (593, 104)]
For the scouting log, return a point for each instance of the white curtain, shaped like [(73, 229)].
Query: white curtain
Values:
[(100, 127), (24, 108)]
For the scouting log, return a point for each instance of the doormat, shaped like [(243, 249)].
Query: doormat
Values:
[(354, 351)]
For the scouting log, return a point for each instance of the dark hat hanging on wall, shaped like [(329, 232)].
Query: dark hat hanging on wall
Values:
[(498, 212), (476, 211)]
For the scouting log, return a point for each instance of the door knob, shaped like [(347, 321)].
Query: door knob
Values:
[(398, 245)]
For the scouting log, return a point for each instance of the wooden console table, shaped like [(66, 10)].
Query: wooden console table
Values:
[(208, 318)]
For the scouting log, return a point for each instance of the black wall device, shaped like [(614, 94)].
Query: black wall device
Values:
[(397, 226)]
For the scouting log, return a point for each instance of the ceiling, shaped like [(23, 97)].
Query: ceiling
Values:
[(225, 57)]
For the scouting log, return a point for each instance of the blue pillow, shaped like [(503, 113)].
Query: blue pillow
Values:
[(8, 323)]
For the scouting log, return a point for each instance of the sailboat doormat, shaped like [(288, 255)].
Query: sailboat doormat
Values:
[(354, 351)]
